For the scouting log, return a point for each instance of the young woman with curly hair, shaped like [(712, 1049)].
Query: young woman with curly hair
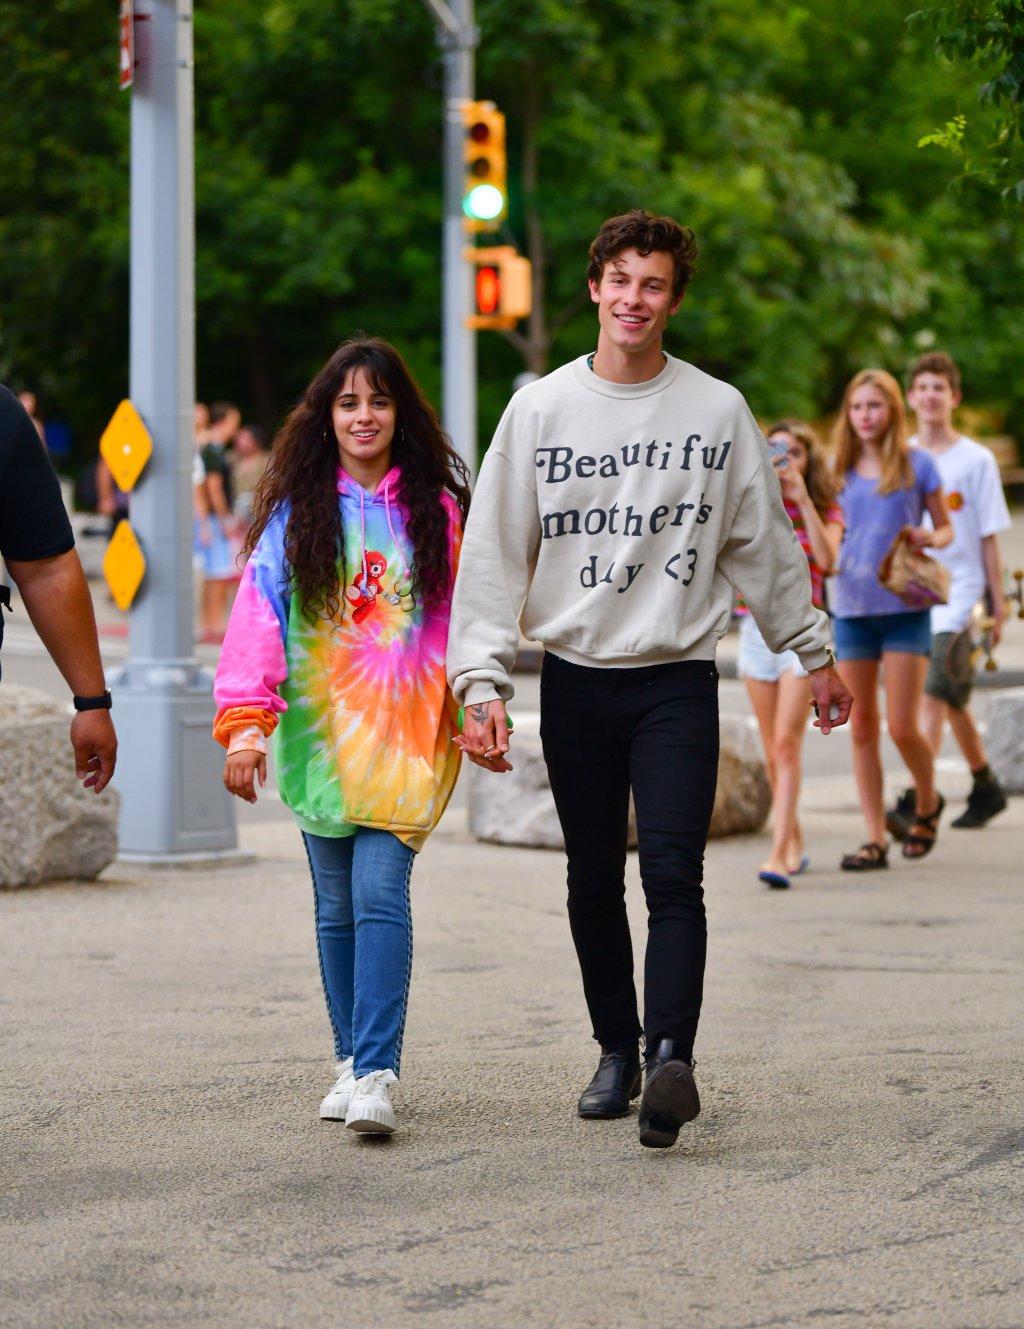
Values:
[(779, 687), (336, 646)]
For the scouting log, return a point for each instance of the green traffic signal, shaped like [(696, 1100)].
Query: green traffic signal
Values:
[(484, 203), (484, 190)]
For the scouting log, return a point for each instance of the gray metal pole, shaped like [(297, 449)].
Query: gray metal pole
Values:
[(459, 354), (173, 802)]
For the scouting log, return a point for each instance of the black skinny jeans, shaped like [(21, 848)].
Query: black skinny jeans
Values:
[(654, 730)]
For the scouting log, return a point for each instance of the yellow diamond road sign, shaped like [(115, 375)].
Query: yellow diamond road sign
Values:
[(126, 445), (123, 565)]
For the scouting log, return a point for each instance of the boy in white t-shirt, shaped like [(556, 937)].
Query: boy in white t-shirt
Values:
[(977, 506)]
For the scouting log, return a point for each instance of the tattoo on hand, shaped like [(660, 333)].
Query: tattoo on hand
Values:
[(479, 713)]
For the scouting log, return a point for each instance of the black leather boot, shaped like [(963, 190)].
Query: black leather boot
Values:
[(615, 1082), (670, 1098)]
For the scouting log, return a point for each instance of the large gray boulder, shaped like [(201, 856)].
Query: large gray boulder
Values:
[(517, 808), (1004, 738), (52, 827)]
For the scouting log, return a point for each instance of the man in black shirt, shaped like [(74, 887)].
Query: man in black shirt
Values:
[(38, 546)]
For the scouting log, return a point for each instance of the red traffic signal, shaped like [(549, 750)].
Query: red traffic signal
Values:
[(503, 289), (488, 290)]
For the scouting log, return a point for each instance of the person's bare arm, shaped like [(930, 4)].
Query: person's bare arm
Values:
[(993, 561), (941, 532), (106, 500), (56, 595)]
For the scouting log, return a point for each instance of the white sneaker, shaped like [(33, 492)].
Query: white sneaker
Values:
[(335, 1105), (370, 1109)]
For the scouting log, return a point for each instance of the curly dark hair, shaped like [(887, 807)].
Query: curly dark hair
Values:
[(303, 469), (647, 234)]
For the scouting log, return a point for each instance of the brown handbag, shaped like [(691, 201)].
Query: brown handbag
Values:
[(918, 580)]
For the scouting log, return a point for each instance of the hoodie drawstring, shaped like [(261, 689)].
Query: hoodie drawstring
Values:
[(362, 535), (398, 545)]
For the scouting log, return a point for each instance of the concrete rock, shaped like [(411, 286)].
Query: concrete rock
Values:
[(517, 808), (1005, 738), (53, 828), (743, 797)]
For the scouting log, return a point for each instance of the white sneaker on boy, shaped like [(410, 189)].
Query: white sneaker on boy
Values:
[(369, 1109), (335, 1105)]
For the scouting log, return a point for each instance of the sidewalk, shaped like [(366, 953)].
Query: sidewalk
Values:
[(855, 1160)]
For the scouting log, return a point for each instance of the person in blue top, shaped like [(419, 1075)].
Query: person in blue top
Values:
[(884, 485)]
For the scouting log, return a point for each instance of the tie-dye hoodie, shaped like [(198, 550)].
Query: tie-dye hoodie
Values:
[(361, 714)]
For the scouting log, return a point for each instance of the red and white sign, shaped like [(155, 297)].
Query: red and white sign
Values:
[(127, 70)]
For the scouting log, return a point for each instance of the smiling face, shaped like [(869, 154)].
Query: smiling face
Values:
[(933, 400), (634, 303), (364, 425), (869, 414)]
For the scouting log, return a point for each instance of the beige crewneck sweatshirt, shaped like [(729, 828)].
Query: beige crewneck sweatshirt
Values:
[(613, 521)]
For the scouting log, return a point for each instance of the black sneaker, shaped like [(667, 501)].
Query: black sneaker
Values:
[(899, 819), (984, 802)]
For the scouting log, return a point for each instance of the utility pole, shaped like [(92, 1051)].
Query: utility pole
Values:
[(458, 37), (174, 806)]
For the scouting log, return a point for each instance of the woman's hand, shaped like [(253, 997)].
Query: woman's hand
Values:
[(484, 738), (240, 768), (921, 536), (794, 487)]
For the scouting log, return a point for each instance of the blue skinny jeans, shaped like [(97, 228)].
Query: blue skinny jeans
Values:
[(364, 940)]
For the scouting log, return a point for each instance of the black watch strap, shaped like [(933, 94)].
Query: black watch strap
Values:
[(101, 703)]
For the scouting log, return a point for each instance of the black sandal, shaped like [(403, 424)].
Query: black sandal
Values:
[(920, 845), (868, 858)]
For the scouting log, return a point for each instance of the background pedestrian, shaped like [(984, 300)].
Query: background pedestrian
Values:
[(778, 685), (884, 486)]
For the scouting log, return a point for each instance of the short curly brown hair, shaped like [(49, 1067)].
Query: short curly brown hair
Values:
[(642, 231), (936, 362)]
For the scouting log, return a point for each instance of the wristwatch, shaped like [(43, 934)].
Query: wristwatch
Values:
[(101, 703), (830, 662)]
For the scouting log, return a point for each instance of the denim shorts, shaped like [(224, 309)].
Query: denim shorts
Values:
[(873, 635), (755, 660)]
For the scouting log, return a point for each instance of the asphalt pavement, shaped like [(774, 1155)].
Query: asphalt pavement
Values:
[(856, 1162)]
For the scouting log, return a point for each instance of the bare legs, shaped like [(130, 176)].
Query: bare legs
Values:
[(781, 710), (934, 713), (904, 688), (213, 607), (904, 685), (861, 677)]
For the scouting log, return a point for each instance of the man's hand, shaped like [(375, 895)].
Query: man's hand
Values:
[(240, 768), (998, 619), (833, 700), (95, 744), (485, 736)]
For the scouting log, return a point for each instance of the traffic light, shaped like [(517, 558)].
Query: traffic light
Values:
[(503, 288), (485, 183)]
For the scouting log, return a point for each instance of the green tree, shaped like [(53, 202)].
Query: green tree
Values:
[(827, 238), (987, 36)]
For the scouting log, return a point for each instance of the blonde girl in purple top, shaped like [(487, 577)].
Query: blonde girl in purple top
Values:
[(884, 485)]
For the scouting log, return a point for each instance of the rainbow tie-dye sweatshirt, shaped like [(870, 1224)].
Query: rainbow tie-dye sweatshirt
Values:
[(360, 712)]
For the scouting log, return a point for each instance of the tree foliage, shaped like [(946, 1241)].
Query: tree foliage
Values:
[(987, 36), (784, 135)]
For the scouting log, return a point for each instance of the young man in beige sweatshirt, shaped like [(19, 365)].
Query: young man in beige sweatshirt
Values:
[(623, 499)]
